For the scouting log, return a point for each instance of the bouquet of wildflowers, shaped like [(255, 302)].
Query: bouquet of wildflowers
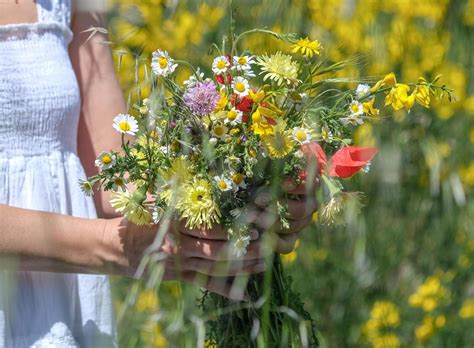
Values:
[(203, 148)]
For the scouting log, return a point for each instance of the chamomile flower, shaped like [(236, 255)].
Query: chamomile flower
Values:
[(302, 135), (105, 160), (240, 86), (326, 134), (162, 64), (220, 65), (243, 64), (224, 184), (233, 116), (197, 76), (240, 244), (356, 108), (219, 131), (86, 187), (238, 180), (125, 124), (119, 183), (356, 111), (362, 90)]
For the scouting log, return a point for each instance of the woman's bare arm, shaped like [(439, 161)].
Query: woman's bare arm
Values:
[(101, 95)]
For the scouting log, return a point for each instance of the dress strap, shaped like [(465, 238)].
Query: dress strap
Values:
[(54, 11)]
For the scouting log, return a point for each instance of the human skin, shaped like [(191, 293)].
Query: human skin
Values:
[(110, 244)]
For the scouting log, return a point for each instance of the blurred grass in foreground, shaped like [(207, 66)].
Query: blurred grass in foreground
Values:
[(398, 274)]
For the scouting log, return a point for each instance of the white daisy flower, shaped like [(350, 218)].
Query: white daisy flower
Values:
[(239, 245), (362, 90), (356, 108), (238, 180), (302, 135), (125, 124), (119, 183), (223, 183), (220, 65), (219, 131), (197, 76), (86, 187), (243, 64), (240, 86), (353, 119), (105, 160), (326, 135), (162, 64), (233, 116)]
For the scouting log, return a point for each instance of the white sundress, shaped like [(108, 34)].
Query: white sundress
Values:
[(40, 169)]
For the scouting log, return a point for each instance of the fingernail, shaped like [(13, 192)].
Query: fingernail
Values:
[(263, 199), (254, 235)]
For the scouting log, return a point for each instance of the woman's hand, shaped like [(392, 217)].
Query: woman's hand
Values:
[(198, 255), (300, 203)]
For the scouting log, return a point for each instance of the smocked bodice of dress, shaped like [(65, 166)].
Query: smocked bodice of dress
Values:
[(40, 169)]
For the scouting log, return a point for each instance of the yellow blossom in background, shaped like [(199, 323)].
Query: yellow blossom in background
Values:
[(467, 174), (147, 301), (378, 330), (429, 295), (467, 309), (429, 327)]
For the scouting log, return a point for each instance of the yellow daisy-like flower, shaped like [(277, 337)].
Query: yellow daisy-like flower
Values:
[(197, 206), (279, 68), (129, 205), (307, 47), (280, 143), (222, 102), (173, 178)]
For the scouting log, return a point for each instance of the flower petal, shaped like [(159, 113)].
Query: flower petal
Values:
[(348, 160)]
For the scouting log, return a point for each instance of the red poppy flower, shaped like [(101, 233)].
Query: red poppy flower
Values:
[(244, 105), (220, 79)]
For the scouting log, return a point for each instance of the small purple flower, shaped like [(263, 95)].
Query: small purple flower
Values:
[(202, 98), (243, 138)]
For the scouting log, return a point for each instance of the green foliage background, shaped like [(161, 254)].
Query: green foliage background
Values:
[(398, 274)]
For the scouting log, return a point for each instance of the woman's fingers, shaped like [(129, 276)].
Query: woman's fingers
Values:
[(225, 268), (297, 209), (216, 249), (216, 233)]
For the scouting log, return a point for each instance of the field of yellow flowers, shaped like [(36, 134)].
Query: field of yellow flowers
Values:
[(400, 273)]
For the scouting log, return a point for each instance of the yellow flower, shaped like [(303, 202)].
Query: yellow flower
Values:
[(280, 142), (386, 313), (429, 295), (172, 178), (130, 205), (467, 309), (388, 81), (222, 103), (422, 95), (279, 68), (147, 301), (258, 96), (196, 204), (398, 97), (260, 121), (307, 47), (369, 108)]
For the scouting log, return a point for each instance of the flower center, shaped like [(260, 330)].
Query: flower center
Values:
[(222, 185), (301, 135), (163, 62), (199, 197), (125, 126), (219, 131), (221, 64), (242, 60), (355, 108), (237, 178), (106, 159), (231, 115), (240, 87)]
